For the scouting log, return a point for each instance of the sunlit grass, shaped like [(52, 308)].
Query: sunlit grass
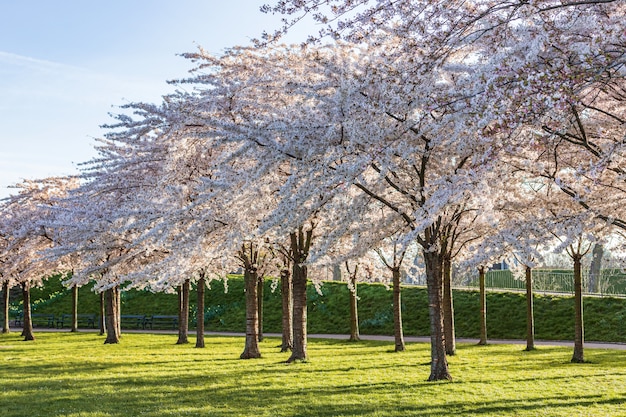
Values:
[(64, 374)]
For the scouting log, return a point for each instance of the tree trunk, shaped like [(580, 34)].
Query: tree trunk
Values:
[(102, 314), (596, 267), (183, 313), (448, 307), (261, 287), (6, 328), (112, 316), (251, 349), (28, 323), (299, 350), (483, 307), (200, 312), (118, 311), (74, 309), (398, 331), (354, 309), (287, 304), (300, 245), (530, 315), (434, 281), (579, 333)]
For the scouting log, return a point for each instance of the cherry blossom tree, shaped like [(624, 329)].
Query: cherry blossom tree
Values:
[(254, 259), (392, 256), (367, 268), (23, 225), (6, 286), (388, 178)]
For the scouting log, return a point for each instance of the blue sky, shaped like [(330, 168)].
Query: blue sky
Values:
[(66, 64)]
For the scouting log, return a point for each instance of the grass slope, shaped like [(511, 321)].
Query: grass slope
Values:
[(328, 312), (75, 375)]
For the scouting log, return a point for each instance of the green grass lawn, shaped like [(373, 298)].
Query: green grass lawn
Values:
[(71, 375)]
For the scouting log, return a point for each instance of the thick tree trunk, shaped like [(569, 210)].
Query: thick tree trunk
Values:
[(183, 313), (111, 303), (434, 281), (28, 323), (448, 307), (483, 307), (398, 331), (74, 309), (260, 290), (251, 349), (530, 314), (300, 245), (354, 310), (6, 328), (596, 267), (579, 333), (299, 350), (200, 312), (287, 304), (102, 314)]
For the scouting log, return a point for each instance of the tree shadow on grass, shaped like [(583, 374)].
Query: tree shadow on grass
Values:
[(230, 396)]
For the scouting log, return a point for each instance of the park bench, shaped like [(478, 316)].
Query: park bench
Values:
[(37, 320), (84, 320), (41, 320), (162, 322), (136, 321)]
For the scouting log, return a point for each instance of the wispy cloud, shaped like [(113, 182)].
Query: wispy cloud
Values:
[(36, 64)]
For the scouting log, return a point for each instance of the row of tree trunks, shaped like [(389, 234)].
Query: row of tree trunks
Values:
[(110, 306), (183, 312), (5, 307)]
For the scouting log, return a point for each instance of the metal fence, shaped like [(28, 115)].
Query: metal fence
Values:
[(608, 282)]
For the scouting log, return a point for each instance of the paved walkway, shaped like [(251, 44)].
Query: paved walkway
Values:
[(424, 339), (407, 339)]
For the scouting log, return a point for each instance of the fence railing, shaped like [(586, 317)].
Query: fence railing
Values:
[(608, 282)]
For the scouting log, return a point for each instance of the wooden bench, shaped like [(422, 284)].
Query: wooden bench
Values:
[(136, 321), (84, 320), (37, 320), (160, 322), (42, 320)]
